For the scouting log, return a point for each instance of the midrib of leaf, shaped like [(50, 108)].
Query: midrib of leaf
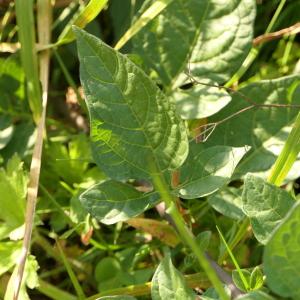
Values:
[(134, 114), (194, 42)]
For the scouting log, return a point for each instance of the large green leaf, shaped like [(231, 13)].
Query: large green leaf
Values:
[(213, 36), (200, 101), (204, 172), (256, 295), (265, 205), (121, 297), (169, 284), (264, 129), (112, 201), (281, 256), (132, 122)]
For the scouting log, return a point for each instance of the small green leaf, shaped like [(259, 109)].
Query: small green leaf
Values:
[(204, 172), (200, 101), (238, 281), (214, 36), (169, 284), (133, 124), (228, 202), (265, 205), (13, 187), (281, 256), (256, 279), (9, 253), (112, 201)]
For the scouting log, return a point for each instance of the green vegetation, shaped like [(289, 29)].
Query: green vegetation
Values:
[(149, 149)]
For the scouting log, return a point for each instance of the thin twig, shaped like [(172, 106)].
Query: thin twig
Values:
[(207, 129), (294, 29)]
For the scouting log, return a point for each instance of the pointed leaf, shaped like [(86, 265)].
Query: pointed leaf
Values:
[(265, 205), (204, 172), (281, 256), (112, 201), (214, 36), (132, 122), (169, 284)]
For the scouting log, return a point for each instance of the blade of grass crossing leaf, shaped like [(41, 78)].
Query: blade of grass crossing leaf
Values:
[(155, 9), (71, 274), (234, 260), (26, 32), (89, 13), (288, 155), (44, 12), (254, 51)]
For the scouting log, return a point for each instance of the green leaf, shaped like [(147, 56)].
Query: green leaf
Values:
[(9, 253), (200, 101), (13, 188), (281, 256), (264, 129), (6, 131), (169, 284), (238, 281), (112, 201), (265, 205), (228, 202), (204, 172), (30, 279), (133, 124), (214, 36), (256, 279)]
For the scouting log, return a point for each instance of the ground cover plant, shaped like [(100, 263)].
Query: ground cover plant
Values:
[(149, 149)]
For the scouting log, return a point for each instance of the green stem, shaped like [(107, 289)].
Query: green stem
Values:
[(53, 292), (254, 51), (198, 280), (69, 79), (288, 155), (186, 235)]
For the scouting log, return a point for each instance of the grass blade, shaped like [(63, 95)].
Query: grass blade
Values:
[(155, 9), (288, 155), (26, 31), (234, 260), (44, 25), (71, 274), (89, 13)]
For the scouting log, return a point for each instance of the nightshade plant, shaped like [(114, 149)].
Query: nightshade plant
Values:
[(172, 132), (136, 132)]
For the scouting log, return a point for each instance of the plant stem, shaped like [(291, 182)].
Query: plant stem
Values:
[(198, 280), (254, 51), (53, 292), (288, 155), (185, 234)]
